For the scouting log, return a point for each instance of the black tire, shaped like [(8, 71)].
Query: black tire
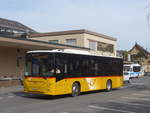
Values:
[(75, 90), (108, 86)]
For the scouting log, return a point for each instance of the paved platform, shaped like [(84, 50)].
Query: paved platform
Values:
[(6, 90)]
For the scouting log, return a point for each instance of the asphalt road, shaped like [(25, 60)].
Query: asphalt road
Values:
[(131, 98)]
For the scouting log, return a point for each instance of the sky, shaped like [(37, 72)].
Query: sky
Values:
[(125, 20)]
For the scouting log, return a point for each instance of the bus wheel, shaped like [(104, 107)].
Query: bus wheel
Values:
[(75, 90), (108, 85)]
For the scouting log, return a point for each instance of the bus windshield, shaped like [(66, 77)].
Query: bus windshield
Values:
[(39, 64), (126, 68)]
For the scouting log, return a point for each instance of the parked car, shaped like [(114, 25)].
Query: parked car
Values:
[(131, 71)]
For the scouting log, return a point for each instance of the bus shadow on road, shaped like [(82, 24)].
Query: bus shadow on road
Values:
[(50, 97), (39, 96)]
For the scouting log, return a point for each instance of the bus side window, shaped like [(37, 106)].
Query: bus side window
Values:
[(96, 69), (59, 65), (74, 65)]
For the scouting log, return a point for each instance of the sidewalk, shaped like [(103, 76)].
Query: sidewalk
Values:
[(7, 90)]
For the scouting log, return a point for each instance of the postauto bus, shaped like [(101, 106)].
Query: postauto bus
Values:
[(59, 72)]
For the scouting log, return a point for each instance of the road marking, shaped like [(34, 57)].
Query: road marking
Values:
[(140, 94), (10, 96), (137, 83), (145, 92), (135, 104), (110, 109), (126, 86), (134, 98)]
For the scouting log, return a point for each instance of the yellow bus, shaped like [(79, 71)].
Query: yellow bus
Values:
[(59, 72)]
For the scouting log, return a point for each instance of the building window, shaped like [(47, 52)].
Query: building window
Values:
[(105, 47), (72, 42), (93, 45), (53, 41)]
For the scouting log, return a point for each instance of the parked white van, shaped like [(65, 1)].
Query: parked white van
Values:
[(131, 71)]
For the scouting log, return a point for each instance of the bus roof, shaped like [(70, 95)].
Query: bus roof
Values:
[(70, 51), (132, 65)]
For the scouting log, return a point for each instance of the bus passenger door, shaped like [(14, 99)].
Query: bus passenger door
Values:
[(61, 72), (61, 84)]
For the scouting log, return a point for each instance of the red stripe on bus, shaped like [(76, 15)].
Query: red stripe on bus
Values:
[(92, 77), (77, 77), (39, 77)]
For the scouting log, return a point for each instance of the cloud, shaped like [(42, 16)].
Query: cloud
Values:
[(125, 20)]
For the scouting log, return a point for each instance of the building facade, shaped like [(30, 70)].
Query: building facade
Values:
[(141, 56), (97, 43), (13, 46)]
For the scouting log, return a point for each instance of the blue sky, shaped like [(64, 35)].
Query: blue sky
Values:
[(124, 19)]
